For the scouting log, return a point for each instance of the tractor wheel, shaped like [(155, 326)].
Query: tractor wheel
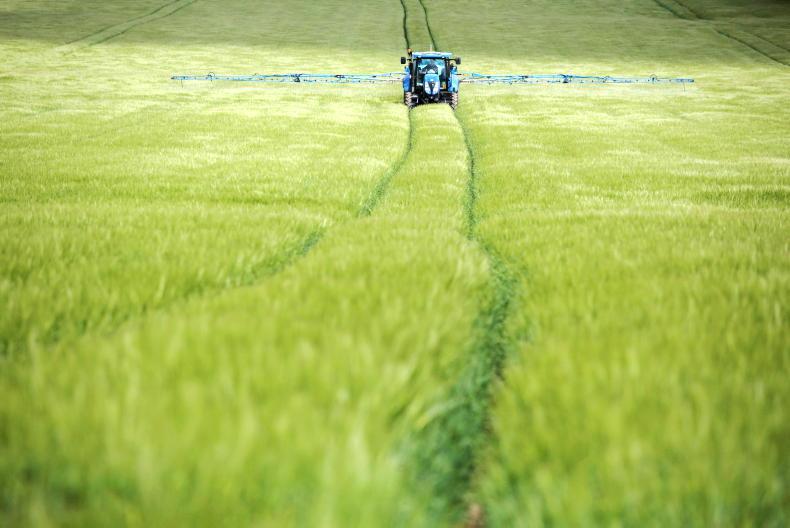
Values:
[(407, 99), (454, 100)]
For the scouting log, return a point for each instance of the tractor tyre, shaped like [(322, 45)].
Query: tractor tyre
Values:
[(454, 100), (407, 99)]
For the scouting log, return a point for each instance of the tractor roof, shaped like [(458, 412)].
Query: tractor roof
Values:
[(431, 55)]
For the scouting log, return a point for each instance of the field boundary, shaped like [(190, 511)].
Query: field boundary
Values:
[(685, 12), (116, 30)]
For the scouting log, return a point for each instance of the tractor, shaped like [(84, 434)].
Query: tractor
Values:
[(431, 77)]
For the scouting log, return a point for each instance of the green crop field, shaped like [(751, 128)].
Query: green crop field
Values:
[(242, 304)]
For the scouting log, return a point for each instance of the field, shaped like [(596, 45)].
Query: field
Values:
[(304, 305)]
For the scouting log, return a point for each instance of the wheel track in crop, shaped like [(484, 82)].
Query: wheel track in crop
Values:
[(459, 434), (428, 25), (685, 12), (116, 30), (771, 42), (405, 23), (380, 189), (758, 50), (105, 28)]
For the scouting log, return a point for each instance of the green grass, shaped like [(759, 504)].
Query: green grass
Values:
[(305, 306), (129, 192), (288, 387), (651, 226)]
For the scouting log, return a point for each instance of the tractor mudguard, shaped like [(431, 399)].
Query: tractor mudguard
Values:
[(407, 80)]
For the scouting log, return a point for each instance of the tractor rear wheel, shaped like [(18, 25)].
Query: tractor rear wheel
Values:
[(454, 100)]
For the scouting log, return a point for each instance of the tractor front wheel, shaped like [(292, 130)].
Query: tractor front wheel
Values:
[(408, 100)]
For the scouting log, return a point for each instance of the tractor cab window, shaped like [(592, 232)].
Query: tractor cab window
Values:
[(425, 66)]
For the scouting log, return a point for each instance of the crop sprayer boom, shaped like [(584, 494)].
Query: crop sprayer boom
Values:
[(431, 77), (564, 78), (326, 78)]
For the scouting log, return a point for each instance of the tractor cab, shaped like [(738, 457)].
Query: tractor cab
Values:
[(430, 77)]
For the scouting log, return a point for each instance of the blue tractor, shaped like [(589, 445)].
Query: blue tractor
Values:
[(431, 77)]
